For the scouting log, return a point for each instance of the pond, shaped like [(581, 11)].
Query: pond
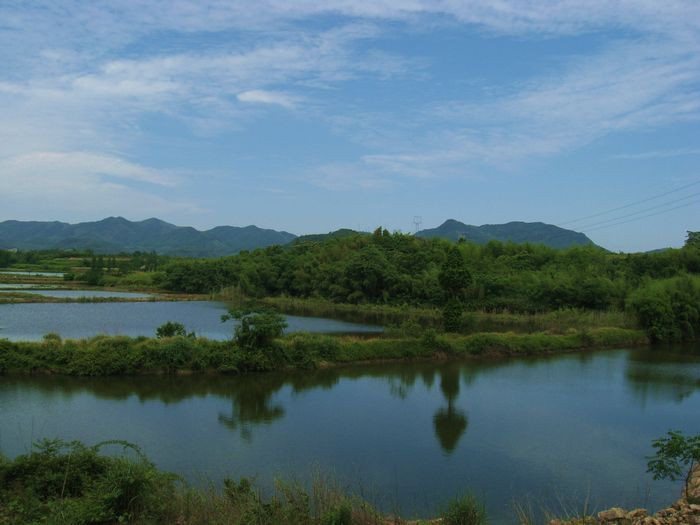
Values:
[(85, 293), (31, 273), (31, 321), (554, 432)]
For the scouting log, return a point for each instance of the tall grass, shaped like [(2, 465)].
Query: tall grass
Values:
[(121, 355), (556, 321), (70, 483)]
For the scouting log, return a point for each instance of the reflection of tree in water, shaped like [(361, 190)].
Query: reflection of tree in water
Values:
[(251, 405), (251, 398), (663, 373), (450, 423)]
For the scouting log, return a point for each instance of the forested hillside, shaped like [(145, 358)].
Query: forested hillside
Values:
[(534, 232), (116, 235), (403, 269)]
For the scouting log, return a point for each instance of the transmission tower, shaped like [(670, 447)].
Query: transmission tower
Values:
[(417, 221)]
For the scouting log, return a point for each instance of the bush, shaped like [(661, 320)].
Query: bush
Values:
[(676, 456), (466, 510), (70, 483), (668, 310), (172, 329), (340, 515), (452, 315)]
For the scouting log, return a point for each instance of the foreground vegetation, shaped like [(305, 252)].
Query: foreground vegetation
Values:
[(72, 484), (119, 355)]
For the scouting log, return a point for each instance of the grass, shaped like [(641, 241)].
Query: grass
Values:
[(121, 355), (70, 483), (557, 321), (16, 296), (466, 510)]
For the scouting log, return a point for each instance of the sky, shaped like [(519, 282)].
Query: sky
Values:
[(312, 115)]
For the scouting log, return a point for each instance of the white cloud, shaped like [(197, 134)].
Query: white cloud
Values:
[(72, 78), (50, 166), (46, 184), (258, 96)]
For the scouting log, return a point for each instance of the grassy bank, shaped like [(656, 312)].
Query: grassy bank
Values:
[(70, 483), (16, 296), (120, 355), (555, 321)]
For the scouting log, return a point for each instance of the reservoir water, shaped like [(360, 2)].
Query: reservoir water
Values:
[(83, 293), (550, 432), (31, 321)]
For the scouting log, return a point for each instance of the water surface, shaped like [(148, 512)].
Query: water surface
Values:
[(553, 431), (30, 321), (86, 293), (38, 274)]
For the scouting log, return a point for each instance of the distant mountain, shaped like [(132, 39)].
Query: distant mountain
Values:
[(518, 232), (320, 237), (116, 234)]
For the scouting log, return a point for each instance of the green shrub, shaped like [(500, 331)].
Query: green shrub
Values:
[(467, 510), (668, 310), (70, 483), (452, 315), (340, 515), (172, 329)]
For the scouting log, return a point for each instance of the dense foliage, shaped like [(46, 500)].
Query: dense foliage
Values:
[(669, 310), (386, 268), (121, 355), (64, 483), (676, 456), (70, 483)]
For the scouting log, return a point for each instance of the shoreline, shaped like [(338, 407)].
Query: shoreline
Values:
[(135, 356)]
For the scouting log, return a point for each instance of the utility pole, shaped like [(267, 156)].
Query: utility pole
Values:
[(417, 221)]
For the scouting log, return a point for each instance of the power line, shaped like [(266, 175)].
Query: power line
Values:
[(669, 203), (631, 204), (644, 216)]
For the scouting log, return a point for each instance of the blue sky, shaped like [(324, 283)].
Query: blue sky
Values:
[(312, 115)]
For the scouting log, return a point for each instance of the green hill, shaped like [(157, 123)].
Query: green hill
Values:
[(116, 234), (518, 232), (320, 237)]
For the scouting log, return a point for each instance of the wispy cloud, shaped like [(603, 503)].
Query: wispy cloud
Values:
[(259, 96), (637, 86), (658, 154), (346, 177), (82, 76), (85, 182)]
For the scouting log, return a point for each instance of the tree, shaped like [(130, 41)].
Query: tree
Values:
[(454, 279), (256, 329), (172, 329), (693, 240), (454, 276), (675, 455)]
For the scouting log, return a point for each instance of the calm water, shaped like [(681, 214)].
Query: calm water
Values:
[(30, 321), (87, 293), (551, 431), (39, 274)]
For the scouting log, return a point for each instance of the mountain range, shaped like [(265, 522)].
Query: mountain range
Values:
[(116, 234), (518, 232)]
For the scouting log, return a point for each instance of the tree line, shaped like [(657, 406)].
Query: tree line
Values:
[(395, 268)]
